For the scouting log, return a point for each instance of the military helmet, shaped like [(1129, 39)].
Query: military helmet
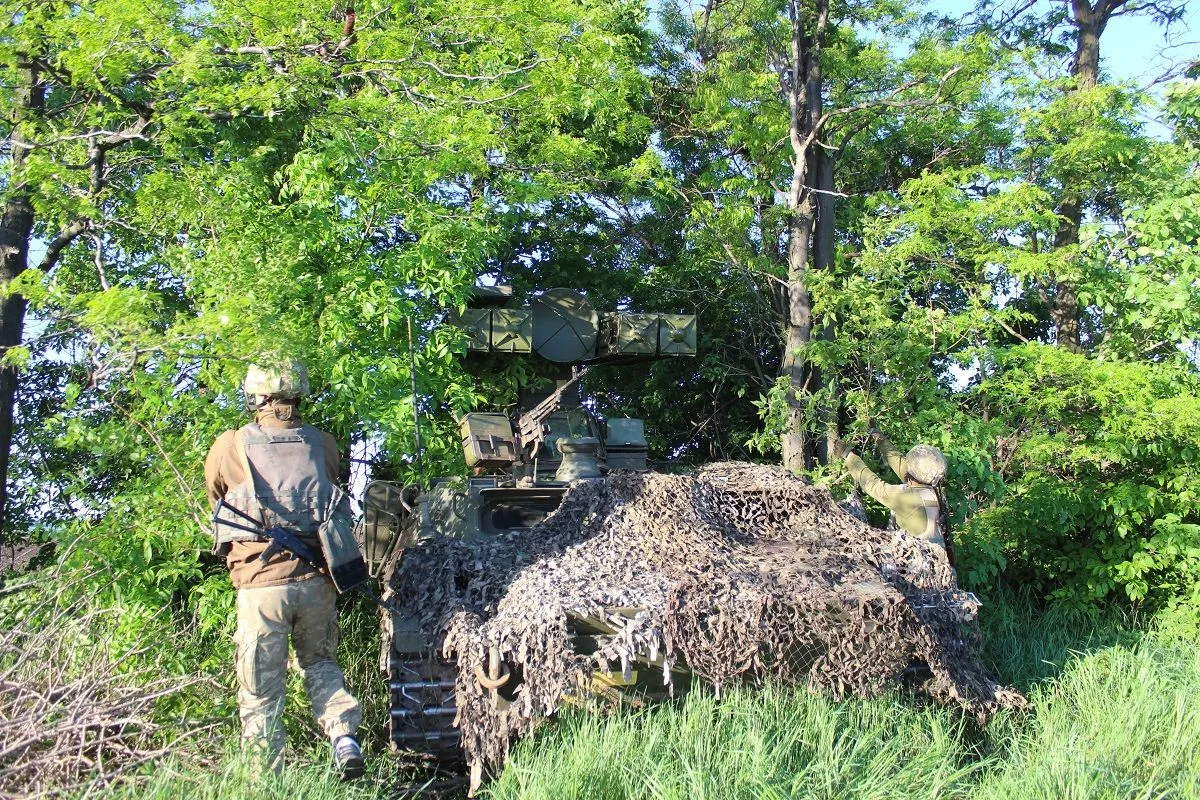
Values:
[(286, 381), (926, 464)]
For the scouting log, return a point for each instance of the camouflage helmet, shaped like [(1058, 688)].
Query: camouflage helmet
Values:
[(286, 381), (926, 465)]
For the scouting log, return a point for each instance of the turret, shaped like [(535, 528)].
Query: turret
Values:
[(561, 327)]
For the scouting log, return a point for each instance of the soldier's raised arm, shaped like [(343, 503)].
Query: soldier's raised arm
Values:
[(914, 504), (888, 452), (886, 493)]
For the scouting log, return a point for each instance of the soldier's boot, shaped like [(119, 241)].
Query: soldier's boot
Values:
[(348, 757)]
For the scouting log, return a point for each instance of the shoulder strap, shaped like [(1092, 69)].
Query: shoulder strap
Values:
[(944, 524), (239, 444)]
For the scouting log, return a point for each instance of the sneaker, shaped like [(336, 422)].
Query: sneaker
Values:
[(348, 757)]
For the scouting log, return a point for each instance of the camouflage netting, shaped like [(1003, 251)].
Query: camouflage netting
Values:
[(738, 572)]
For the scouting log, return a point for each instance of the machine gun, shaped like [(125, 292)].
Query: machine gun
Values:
[(531, 427), (286, 540)]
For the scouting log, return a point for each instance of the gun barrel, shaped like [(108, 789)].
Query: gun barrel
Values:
[(531, 423)]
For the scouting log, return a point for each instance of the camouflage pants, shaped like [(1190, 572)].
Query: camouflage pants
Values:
[(266, 616)]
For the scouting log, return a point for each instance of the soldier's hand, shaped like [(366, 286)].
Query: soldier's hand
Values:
[(838, 447)]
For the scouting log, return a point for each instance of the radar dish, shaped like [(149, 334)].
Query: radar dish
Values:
[(565, 326)]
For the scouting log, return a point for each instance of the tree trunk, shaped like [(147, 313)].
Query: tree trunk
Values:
[(1089, 24), (803, 89), (824, 250), (16, 227), (1064, 304), (1064, 301), (795, 442)]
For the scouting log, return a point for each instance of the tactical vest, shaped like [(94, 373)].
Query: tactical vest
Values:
[(933, 529), (286, 482)]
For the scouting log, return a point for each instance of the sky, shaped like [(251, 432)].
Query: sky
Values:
[(1133, 47)]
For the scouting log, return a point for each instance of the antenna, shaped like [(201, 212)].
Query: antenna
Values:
[(412, 374)]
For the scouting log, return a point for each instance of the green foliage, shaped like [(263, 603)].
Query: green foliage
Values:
[(313, 200), (273, 190), (1069, 471), (1102, 497), (275, 193)]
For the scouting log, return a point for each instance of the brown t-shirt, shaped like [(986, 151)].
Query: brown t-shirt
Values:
[(222, 471)]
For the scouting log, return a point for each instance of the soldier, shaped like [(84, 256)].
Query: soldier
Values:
[(915, 503), (284, 472)]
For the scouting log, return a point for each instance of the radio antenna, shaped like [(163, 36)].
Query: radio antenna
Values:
[(412, 374)]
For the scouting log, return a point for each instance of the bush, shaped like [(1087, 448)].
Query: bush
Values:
[(1101, 498), (80, 710)]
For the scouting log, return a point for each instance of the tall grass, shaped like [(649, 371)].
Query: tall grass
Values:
[(774, 743), (1115, 715), (1120, 722), (308, 776), (1026, 642)]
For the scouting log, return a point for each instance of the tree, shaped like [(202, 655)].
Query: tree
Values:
[(758, 105), (43, 100), (1072, 135), (1058, 474), (301, 188)]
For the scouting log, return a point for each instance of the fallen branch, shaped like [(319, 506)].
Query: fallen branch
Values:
[(78, 711)]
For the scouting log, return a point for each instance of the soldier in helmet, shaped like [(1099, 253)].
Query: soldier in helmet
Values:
[(915, 503), (283, 472)]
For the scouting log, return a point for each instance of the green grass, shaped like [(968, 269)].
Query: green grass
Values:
[(308, 775), (1120, 722), (1114, 715), (767, 744)]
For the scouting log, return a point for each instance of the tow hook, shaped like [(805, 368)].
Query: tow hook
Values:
[(497, 673)]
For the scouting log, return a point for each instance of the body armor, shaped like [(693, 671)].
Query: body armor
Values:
[(933, 526), (285, 481), (286, 485)]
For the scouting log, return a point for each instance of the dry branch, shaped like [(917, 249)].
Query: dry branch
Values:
[(77, 712)]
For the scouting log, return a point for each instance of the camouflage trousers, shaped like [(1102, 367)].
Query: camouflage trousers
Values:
[(266, 617)]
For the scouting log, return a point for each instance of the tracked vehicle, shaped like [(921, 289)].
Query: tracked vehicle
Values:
[(520, 462)]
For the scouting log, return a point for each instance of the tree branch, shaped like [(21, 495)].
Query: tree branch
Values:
[(60, 242), (887, 102), (495, 76), (1011, 332), (101, 142)]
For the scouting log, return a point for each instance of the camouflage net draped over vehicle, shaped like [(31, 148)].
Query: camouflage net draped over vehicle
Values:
[(737, 572)]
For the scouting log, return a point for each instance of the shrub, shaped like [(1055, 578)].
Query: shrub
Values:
[(1101, 497)]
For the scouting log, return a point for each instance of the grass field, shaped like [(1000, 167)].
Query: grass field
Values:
[(1115, 715)]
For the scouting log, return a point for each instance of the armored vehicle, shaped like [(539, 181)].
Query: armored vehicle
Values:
[(520, 463)]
